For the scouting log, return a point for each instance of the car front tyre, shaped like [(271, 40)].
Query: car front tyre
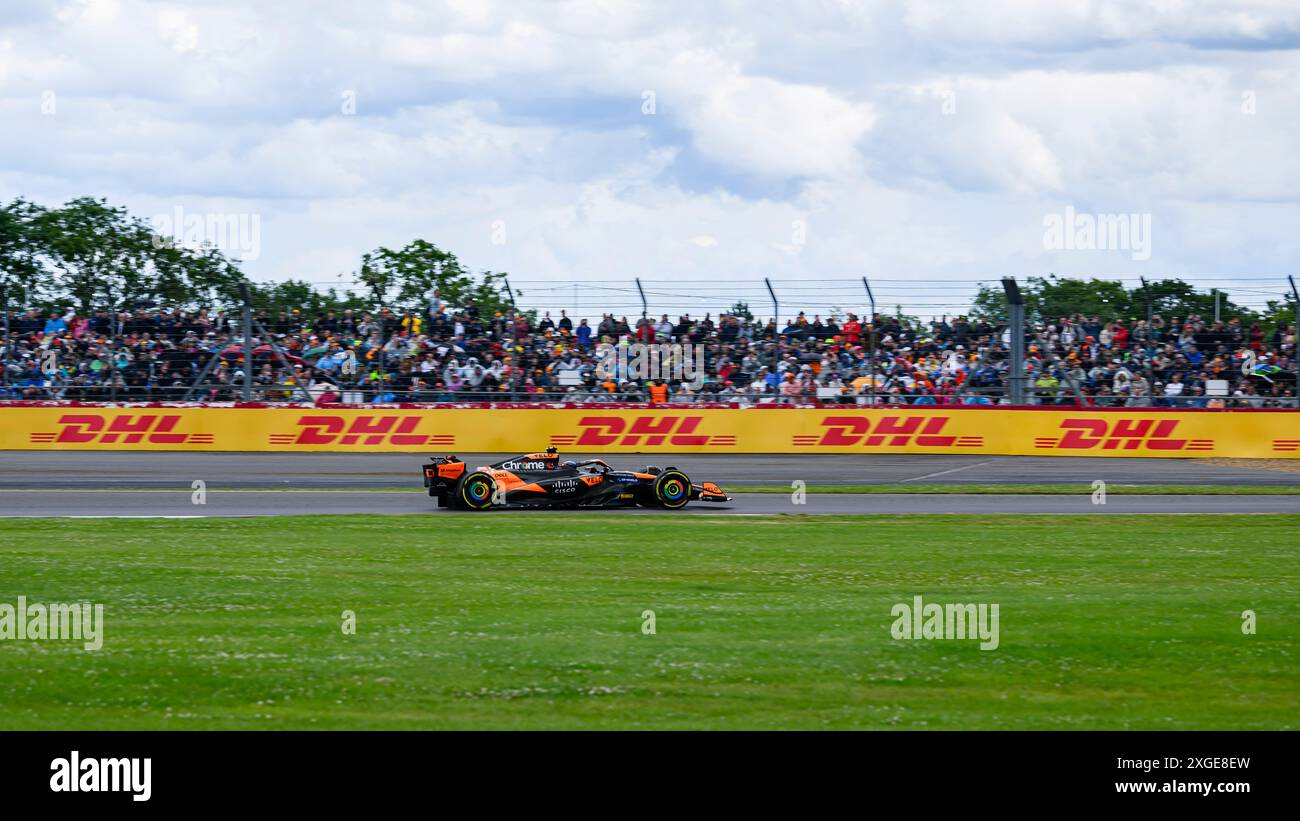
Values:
[(672, 489)]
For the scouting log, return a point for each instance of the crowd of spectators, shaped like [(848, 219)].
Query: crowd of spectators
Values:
[(441, 353)]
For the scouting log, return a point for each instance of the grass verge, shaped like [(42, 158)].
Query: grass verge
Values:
[(763, 622)]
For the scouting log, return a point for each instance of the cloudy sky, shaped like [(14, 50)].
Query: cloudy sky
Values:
[(700, 146)]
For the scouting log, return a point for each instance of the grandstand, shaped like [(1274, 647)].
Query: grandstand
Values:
[(456, 354)]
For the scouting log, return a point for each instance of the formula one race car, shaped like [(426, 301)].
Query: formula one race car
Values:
[(542, 480)]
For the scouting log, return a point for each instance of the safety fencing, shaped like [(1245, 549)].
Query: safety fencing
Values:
[(617, 428)]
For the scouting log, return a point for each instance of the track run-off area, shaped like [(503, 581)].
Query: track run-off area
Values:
[(401, 471)]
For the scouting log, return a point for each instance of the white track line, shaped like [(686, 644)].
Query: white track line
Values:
[(946, 472), (115, 516), (210, 490)]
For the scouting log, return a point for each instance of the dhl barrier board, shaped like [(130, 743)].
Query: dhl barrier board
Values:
[(994, 431)]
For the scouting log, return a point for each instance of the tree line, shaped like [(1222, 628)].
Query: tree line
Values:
[(1049, 298), (89, 254)]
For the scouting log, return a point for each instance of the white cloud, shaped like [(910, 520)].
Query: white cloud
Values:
[(178, 30), (531, 113), (765, 126), (1088, 23)]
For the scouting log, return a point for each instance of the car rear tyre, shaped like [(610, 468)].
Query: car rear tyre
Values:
[(475, 491)]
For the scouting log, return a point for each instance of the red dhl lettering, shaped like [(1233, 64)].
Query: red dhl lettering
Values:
[(891, 431), (84, 428), (1123, 434), (644, 430), (363, 430)]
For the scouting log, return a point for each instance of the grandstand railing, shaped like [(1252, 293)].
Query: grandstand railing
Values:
[(286, 396)]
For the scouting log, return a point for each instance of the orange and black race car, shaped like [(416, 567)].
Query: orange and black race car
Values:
[(542, 480)]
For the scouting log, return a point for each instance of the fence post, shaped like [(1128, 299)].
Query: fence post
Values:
[(203, 374), (871, 340), (284, 363), (645, 309), (1016, 318), (776, 318), (246, 315), (776, 305), (4, 312), (1295, 337), (510, 293)]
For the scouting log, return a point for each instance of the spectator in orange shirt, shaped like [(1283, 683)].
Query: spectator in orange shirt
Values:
[(658, 392)]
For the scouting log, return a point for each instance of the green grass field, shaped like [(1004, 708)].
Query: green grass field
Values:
[(498, 621)]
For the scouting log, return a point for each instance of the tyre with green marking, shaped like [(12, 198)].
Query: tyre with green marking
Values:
[(475, 491), (672, 489)]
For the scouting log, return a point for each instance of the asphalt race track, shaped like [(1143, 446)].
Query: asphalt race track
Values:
[(124, 469), (151, 504), (65, 483)]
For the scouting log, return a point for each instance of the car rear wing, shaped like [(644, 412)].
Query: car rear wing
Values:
[(443, 471)]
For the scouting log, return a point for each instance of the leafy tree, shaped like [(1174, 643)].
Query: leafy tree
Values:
[(741, 310), (99, 254), (989, 302), (1053, 298), (195, 277), (1050, 298), (1278, 313), (96, 255), (1173, 297), (274, 297), (418, 268), (21, 280), (377, 277), (906, 320)]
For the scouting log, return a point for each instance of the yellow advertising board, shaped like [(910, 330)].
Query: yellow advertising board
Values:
[(592, 429)]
